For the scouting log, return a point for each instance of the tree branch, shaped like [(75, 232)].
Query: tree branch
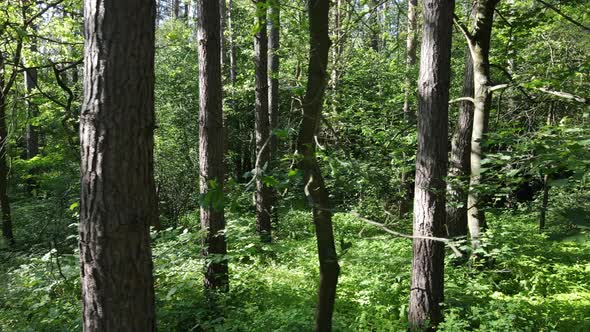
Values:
[(560, 13), (446, 241)]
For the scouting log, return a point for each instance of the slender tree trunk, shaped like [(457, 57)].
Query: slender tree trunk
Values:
[(315, 189), (32, 136), (337, 51), (544, 203), (375, 26), (460, 167), (4, 201), (411, 39), (273, 90), (409, 114), (479, 45), (176, 8), (118, 200), (431, 166), (263, 191), (224, 44), (211, 145)]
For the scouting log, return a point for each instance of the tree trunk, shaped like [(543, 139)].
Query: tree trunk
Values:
[(409, 115), (337, 51), (431, 166), (263, 191), (375, 25), (315, 189), (479, 46), (273, 90), (176, 8), (460, 167), (32, 136), (118, 200), (4, 201), (211, 145), (544, 203)]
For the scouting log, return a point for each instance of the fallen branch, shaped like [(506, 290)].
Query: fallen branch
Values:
[(446, 241)]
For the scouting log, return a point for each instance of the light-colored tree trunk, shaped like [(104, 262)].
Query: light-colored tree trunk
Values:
[(479, 46)]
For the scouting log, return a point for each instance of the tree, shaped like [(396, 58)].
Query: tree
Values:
[(211, 145), (315, 188), (409, 114), (118, 201), (426, 292), (274, 19), (479, 46), (460, 167), (5, 87), (263, 190)]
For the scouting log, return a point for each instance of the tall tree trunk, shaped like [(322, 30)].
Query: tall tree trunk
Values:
[(211, 145), (375, 25), (431, 165), (118, 200), (460, 167), (273, 90), (409, 114), (224, 44), (315, 189), (176, 8), (263, 191), (32, 137), (479, 45), (544, 203), (337, 51), (4, 201)]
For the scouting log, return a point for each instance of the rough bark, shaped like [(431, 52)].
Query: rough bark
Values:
[(479, 45), (315, 189), (431, 166), (7, 232), (211, 145), (118, 199), (409, 114), (460, 167), (263, 192)]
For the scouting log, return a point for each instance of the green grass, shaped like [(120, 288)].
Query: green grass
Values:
[(527, 282)]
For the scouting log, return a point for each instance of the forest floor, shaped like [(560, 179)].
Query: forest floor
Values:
[(527, 282)]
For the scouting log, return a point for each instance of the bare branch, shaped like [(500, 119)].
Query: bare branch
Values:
[(448, 242)]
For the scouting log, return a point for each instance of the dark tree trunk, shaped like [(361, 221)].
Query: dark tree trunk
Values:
[(544, 203), (263, 192), (375, 26), (211, 145), (32, 136), (273, 90), (118, 199), (460, 167), (479, 45), (4, 201), (431, 165), (176, 8), (315, 189)]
